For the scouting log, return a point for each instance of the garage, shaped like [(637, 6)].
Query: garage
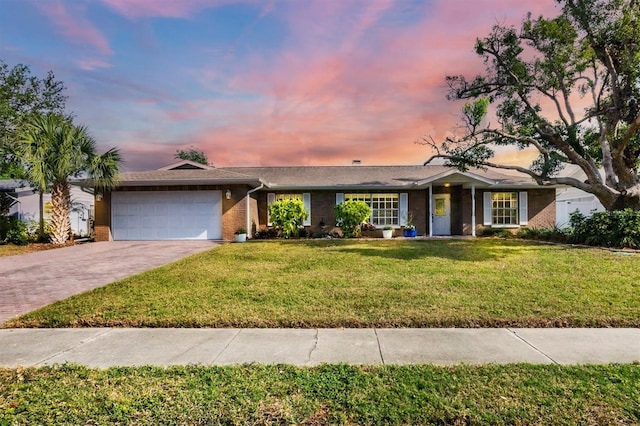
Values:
[(166, 215)]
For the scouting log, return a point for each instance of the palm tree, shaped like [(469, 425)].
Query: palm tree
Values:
[(53, 150)]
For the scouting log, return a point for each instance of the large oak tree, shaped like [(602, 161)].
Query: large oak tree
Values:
[(568, 87)]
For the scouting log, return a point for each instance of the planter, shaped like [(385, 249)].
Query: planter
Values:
[(409, 233), (241, 238), (387, 233)]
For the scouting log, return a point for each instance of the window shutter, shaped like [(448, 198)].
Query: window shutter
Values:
[(271, 197), (486, 199), (524, 208), (339, 198), (306, 200), (403, 208)]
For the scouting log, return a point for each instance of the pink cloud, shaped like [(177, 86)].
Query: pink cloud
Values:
[(74, 25), (344, 87), (92, 63), (136, 9)]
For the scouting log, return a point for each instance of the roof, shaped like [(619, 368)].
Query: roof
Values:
[(13, 185), (321, 177), (211, 176), (373, 177)]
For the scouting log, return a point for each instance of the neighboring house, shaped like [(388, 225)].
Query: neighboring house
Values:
[(187, 200), (26, 204), (570, 199)]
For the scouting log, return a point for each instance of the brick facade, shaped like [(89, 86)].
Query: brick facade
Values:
[(541, 209)]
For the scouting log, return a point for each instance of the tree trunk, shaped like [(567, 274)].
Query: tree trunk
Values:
[(60, 207)]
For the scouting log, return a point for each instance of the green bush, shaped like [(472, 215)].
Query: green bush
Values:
[(618, 228), (288, 216), (350, 215), (544, 234), (13, 231), (495, 232)]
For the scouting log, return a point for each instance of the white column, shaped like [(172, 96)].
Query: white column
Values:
[(431, 210), (473, 209)]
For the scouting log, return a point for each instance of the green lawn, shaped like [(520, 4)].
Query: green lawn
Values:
[(328, 394), (357, 283)]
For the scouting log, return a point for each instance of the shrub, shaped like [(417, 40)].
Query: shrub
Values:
[(495, 232), (555, 234), (288, 216), (13, 231), (618, 228), (350, 215)]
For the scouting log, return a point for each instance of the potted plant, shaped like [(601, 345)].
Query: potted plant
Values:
[(241, 235), (409, 230), (387, 232)]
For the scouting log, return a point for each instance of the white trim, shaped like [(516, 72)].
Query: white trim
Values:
[(523, 207), (403, 208), (186, 163), (448, 173), (486, 204), (473, 210), (339, 197), (306, 200)]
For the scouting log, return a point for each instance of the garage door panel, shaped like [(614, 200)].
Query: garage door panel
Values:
[(166, 215)]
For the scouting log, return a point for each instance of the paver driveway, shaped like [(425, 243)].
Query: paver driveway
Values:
[(30, 281)]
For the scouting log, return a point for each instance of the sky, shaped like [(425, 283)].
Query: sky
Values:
[(258, 82)]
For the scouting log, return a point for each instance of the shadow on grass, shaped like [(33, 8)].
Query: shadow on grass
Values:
[(460, 250)]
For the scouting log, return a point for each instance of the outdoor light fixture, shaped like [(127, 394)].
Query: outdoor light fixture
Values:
[(228, 194), (98, 197)]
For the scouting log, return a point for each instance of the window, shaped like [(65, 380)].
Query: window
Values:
[(504, 208), (288, 197), (384, 207)]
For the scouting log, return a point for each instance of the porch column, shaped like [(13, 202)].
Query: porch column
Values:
[(431, 210), (473, 209)]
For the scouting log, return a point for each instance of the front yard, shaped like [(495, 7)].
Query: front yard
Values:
[(357, 283), (329, 394)]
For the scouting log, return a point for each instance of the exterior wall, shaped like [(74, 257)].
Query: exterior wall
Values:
[(102, 224), (323, 218), (233, 210), (542, 208)]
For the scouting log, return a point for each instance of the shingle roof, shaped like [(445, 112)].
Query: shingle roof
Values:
[(358, 176), (186, 176)]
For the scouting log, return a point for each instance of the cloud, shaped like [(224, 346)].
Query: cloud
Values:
[(72, 23), (138, 9)]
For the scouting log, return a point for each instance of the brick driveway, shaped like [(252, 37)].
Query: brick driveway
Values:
[(30, 281)]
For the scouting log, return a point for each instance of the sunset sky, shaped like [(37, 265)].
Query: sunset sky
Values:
[(251, 83)]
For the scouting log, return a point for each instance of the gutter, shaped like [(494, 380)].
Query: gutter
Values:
[(249, 192)]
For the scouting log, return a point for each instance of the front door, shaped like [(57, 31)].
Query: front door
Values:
[(441, 214)]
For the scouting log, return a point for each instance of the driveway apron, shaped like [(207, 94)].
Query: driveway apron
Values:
[(31, 281)]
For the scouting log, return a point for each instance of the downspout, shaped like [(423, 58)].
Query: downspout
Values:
[(251, 191)]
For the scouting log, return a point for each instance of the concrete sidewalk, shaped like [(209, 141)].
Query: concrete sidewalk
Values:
[(106, 347)]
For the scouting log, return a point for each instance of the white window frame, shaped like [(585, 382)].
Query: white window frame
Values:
[(398, 213), (521, 209)]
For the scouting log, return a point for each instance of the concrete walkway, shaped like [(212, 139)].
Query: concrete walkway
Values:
[(105, 347), (31, 281)]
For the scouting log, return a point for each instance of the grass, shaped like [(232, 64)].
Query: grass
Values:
[(12, 249), (356, 283), (328, 394)]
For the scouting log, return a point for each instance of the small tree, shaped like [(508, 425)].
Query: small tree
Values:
[(192, 155), (288, 216), (350, 214)]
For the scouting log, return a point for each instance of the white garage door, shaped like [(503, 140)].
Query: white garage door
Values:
[(166, 215)]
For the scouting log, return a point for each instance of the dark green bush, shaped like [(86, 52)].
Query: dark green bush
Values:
[(13, 231), (495, 232), (544, 234), (618, 228)]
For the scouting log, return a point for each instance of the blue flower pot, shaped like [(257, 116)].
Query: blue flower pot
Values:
[(409, 233)]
